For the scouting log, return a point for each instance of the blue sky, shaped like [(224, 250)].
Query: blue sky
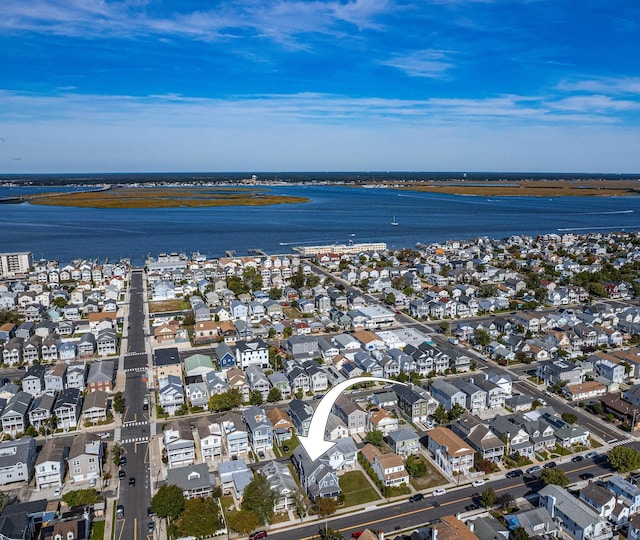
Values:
[(344, 85)]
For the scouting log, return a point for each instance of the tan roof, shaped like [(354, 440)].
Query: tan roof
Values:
[(97, 317), (206, 325), (370, 453), (365, 336), (235, 377), (279, 418), (451, 528), (445, 437), (587, 386), (377, 415), (368, 535), (387, 461)]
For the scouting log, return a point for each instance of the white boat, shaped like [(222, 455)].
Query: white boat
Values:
[(394, 222)]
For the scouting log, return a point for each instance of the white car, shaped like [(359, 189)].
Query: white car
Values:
[(478, 483), (439, 491), (57, 492), (104, 435)]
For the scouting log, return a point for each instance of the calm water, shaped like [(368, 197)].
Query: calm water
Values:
[(336, 214)]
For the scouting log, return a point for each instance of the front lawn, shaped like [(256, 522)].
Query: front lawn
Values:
[(97, 530), (357, 489), (432, 478)]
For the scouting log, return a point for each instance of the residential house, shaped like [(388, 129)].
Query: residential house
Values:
[(198, 364), (17, 460), (575, 518), (281, 382), (170, 393), (282, 425), (389, 468), (210, 436), (41, 411), (300, 413), (193, 479), (67, 408), (51, 463), (234, 477), (179, 446), (15, 417), (449, 451), (33, 380), (317, 478), (480, 437), (236, 438), (259, 429), (414, 405), (258, 381), (354, 417), (197, 392), (237, 379), (95, 407), (76, 375), (380, 420), (282, 483), (85, 457), (404, 442), (252, 353), (447, 394), (225, 357)]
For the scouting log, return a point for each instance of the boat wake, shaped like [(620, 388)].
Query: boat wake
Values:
[(567, 229)]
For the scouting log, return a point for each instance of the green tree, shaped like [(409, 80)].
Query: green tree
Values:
[(390, 299), (569, 418), (519, 534), (481, 337), (505, 501), (275, 294), (456, 411), (274, 395), (226, 400), (330, 534), (445, 326), (554, 476), (488, 498), (243, 521), (255, 397), (297, 279), (168, 501), (252, 279), (325, 506), (59, 302), (259, 499), (200, 518), (118, 402), (624, 459), (4, 500), (115, 454), (375, 437), (416, 467), (441, 415), (81, 497)]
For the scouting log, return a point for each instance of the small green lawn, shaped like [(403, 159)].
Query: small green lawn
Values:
[(357, 489), (291, 443), (97, 530)]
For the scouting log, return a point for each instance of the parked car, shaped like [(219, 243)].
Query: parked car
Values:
[(550, 465), (123, 461), (586, 476), (120, 511), (121, 474), (285, 449), (104, 435), (575, 459), (57, 492), (514, 474), (92, 483), (534, 469), (150, 527), (417, 497), (591, 455), (258, 535), (478, 483), (439, 491)]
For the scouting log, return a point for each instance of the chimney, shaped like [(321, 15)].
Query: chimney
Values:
[(471, 525)]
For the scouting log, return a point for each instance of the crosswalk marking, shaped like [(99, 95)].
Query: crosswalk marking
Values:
[(129, 424), (135, 440), (618, 443), (136, 369)]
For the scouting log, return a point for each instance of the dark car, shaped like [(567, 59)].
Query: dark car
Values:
[(417, 497), (123, 461), (514, 474), (121, 474), (575, 459), (285, 449), (150, 527), (257, 535), (586, 476), (550, 465), (132, 481)]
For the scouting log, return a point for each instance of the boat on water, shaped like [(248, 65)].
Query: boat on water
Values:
[(394, 222)]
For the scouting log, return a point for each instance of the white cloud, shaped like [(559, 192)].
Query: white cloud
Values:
[(604, 85), (425, 63)]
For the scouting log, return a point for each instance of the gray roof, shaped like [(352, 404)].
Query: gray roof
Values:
[(190, 477), (18, 404), (402, 435), (567, 504), (23, 447), (100, 371), (53, 449)]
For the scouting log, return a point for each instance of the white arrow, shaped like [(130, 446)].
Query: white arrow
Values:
[(314, 442)]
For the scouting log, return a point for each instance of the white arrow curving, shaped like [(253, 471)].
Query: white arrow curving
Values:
[(314, 442)]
